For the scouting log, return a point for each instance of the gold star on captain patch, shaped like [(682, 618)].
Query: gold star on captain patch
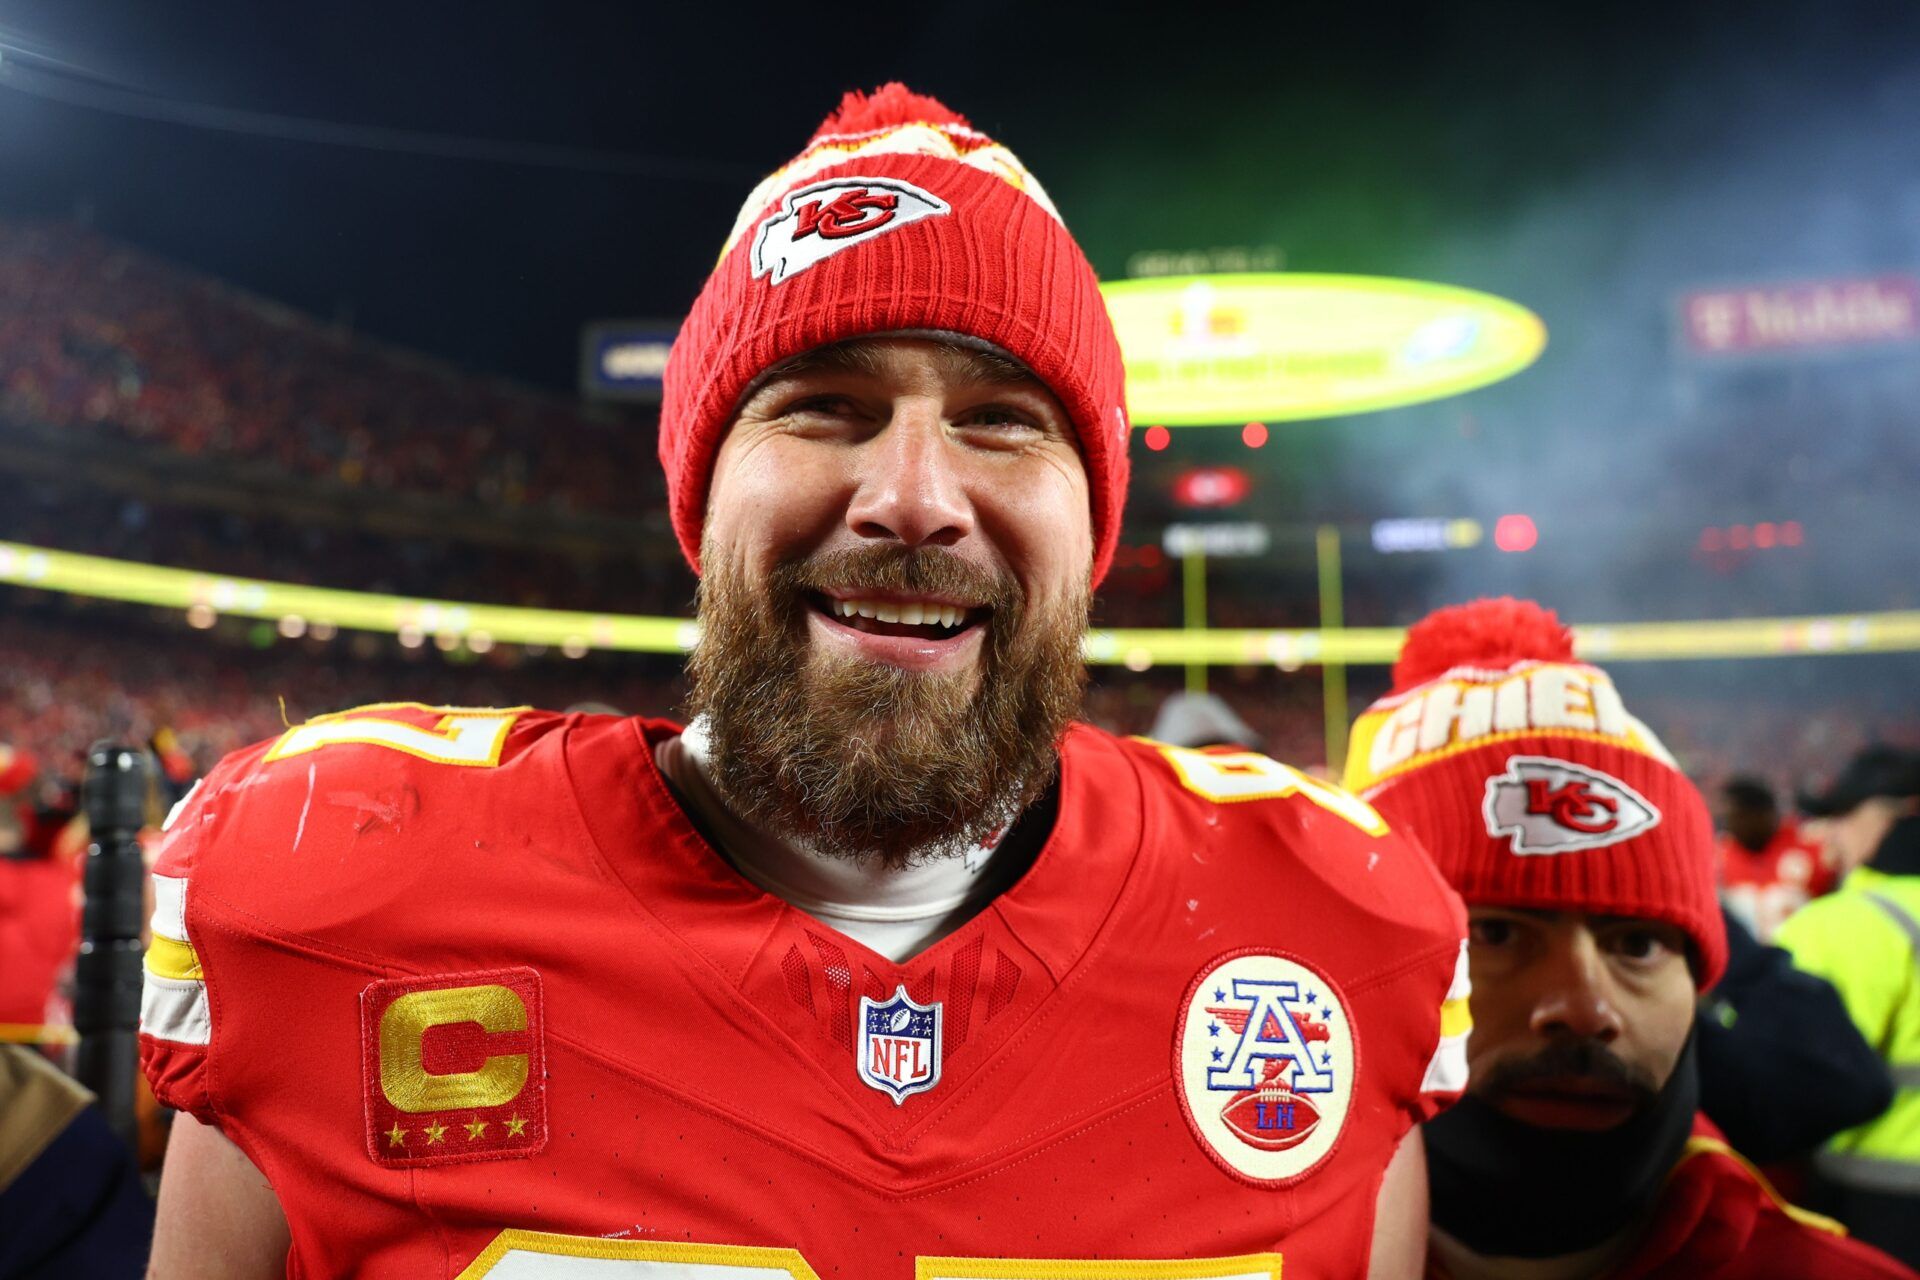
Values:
[(396, 1136), (475, 1129), (516, 1127), (435, 1132)]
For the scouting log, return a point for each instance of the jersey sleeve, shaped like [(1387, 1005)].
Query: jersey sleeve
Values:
[(176, 1025), (1446, 1075), (1426, 995), (231, 885)]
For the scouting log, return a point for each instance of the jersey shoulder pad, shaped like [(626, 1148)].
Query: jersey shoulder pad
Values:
[(1270, 818), (387, 742)]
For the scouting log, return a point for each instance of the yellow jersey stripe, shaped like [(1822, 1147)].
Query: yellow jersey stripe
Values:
[(1698, 1145), (171, 958), (1455, 1018)]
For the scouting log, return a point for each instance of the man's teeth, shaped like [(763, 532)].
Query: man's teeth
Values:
[(912, 614)]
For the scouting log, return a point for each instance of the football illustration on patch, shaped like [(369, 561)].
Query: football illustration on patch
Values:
[(1264, 1058)]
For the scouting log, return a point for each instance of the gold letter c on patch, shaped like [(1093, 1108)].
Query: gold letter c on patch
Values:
[(404, 1077)]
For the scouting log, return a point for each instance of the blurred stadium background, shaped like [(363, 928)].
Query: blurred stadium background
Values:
[(373, 304)]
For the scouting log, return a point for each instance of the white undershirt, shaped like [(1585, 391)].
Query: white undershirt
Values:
[(898, 913)]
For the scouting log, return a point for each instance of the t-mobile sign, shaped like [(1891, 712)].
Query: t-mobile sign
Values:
[(1812, 313)]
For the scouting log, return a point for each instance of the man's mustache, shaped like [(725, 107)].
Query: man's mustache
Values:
[(932, 571), (1583, 1060)]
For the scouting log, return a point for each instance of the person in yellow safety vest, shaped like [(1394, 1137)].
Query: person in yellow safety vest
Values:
[(1865, 940)]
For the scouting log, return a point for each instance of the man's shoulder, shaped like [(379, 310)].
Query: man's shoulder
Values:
[(1254, 820), (340, 795), (1780, 1239), (1788, 1241)]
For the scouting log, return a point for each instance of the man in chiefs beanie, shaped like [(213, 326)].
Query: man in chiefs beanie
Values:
[(882, 956), (1586, 860)]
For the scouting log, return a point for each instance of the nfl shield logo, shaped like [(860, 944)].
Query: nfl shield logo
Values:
[(899, 1049)]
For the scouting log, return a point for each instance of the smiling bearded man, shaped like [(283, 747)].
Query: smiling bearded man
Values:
[(881, 967)]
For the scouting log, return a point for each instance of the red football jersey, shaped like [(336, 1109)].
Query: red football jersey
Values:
[(1762, 889), (478, 999)]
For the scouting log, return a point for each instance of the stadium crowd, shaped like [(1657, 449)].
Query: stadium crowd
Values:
[(97, 337)]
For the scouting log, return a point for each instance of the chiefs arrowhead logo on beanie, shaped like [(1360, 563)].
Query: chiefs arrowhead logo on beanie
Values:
[(1521, 771), (897, 217)]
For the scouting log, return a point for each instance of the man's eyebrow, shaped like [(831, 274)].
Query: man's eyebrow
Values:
[(975, 364), (958, 362), (840, 357)]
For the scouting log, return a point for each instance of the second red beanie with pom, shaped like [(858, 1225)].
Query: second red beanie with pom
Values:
[(1521, 771), (897, 217)]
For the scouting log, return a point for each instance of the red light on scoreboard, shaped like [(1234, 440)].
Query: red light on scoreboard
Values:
[(1766, 535), (1212, 487), (1515, 533), (1157, 438), (1254, 434)]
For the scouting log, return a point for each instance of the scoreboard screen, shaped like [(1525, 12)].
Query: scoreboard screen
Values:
[(625, 359)]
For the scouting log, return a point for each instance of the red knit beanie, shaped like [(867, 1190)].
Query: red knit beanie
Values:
[(1522, 773), (898, 216)]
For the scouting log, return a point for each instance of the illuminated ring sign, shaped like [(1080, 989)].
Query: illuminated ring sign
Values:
[(1230, 349), (132, 582)]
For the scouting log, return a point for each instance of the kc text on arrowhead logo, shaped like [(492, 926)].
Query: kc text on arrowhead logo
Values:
[(817, 221)]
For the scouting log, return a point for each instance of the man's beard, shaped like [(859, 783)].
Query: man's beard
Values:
[(1504, 1188), (863, 760)]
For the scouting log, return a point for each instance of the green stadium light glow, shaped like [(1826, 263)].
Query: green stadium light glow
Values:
[(320, 611), (1224, 350)]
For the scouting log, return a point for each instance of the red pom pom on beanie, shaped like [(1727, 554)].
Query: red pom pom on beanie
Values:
[(1490, 634), (889, 106)]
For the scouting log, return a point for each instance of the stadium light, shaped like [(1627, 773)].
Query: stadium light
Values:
[(1515, 533)]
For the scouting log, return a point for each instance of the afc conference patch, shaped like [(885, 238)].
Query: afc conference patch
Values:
[(1264, 1059), (455, 1067), (898, 1052)]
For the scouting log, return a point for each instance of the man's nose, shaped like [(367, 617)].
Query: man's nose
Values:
[(908, 488), (1576, 996)]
